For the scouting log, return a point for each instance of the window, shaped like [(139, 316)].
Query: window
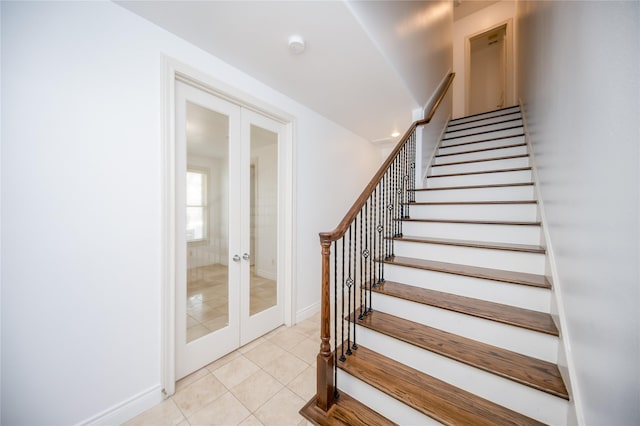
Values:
[(196, 205)]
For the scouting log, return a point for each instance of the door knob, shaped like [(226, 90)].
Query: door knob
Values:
[(246, 256), (236, 258)]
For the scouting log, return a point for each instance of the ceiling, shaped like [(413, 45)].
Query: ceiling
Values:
[(359, 68), (464, 8)]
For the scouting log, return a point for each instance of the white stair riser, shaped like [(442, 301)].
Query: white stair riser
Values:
[(510, 212), (500, 125), (481, 122), (480, 166), (507, 193), (486, 115), (519, 176), (482, 136), (514, 234), (531, 343), (482, 155), (530, 263), (481, 145), (521, 296), (382, 403), (515, 396)]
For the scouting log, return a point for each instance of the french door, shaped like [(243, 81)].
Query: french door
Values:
[(227, 178)]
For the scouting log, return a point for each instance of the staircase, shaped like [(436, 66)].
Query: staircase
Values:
[(459, 329)]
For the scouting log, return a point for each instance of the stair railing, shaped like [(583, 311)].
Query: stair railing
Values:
[(362, 241)]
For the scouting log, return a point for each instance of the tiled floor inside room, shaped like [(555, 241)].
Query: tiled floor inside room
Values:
[(207, 298), (263, 383)]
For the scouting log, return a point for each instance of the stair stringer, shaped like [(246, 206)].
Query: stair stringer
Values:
[(575, 413)]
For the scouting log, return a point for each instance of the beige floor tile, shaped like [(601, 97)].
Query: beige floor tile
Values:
[(264, 353), (251, 421), (199, 394), (226, 410), (304, 385), (236, 371), (187, 380), (251, 345), (307, 350), (274, 332), (308, 327), (165, 413), (281, 410), (256, 390), (285, 368), (222, 361), (287, 338)]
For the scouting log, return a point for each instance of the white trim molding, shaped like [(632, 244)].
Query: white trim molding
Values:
[(173, 70)]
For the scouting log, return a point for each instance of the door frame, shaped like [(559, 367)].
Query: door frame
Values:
[(173, 70), (510, 95)]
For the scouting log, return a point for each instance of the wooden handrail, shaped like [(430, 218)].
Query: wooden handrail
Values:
[(325, 384), (339, 231)]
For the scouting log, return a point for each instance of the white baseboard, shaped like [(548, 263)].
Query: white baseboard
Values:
[(128, 409), (307, 312)]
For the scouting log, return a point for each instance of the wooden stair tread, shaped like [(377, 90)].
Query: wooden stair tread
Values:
[(506, 314), (482, 125), (481, 160), (482, 133), (346, 411), (426, 394), (495, 185), (493, 148), (482, 172), (482, 140), (532, 372), (442, 203), (500, 275), (527, 248), (474, 222)]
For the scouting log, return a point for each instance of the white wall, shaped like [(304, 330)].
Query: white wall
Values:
[(430, 135), (81, 205), (578, 71), (475, 23)]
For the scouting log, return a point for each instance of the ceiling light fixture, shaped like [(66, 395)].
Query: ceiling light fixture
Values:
[(395, 134), (296, 44)]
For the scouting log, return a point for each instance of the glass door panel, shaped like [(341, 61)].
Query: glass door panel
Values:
[(262, 307), (264, 219), (207, 295), (207, 227)]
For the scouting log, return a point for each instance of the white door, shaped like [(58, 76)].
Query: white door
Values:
[(222, 301), (488, 71)]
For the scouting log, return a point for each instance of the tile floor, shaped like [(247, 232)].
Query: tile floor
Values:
[(207, 298), (263, 383)]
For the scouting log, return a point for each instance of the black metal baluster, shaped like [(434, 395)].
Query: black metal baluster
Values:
[(363, 261), (389, 232), (342, 357), (336, 394), (349, 279), (413, 161), (355, 279), (378, 230), (371, 238)]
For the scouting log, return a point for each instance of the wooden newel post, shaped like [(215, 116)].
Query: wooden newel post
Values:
[(325, 359)]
